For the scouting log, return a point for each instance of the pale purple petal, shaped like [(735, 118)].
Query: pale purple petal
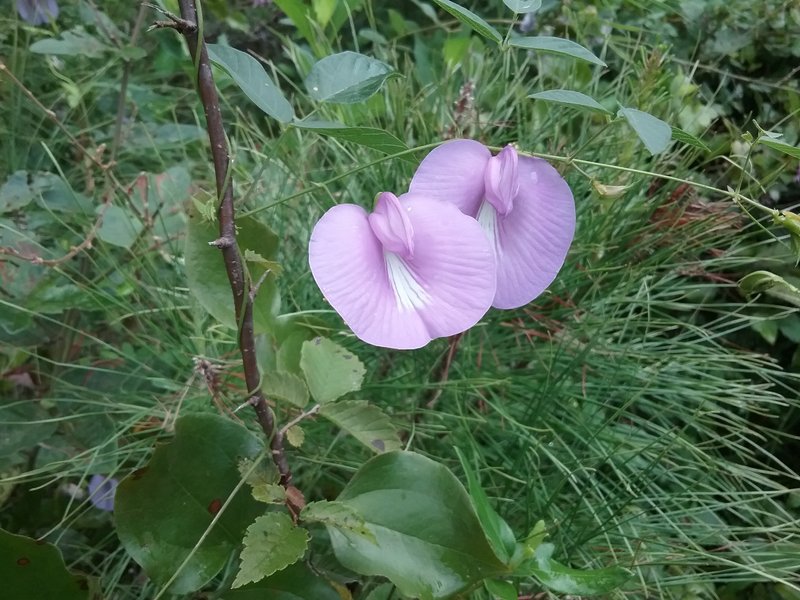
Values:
[(390, 224), (502, 180), (531, 241), (454, 172), (444, 287), (37, 12), (102, 491)]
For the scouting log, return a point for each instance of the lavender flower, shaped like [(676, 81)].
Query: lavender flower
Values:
[(414, 270), (37, 12), (101, 492), (523, 205)]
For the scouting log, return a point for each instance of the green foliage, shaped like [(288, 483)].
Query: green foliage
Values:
[(557, 46), (330, 370), (472, 20), (272, 543), (571, 98), (295, 582), (346, 78), (652, 131), (365, 422)]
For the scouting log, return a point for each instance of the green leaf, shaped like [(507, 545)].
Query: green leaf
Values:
[(330, 370), (208, 280), (365, 422), (30, 569), (15, 193), (780, 146), (554, 45), (285, 386), (565, 580), (271, 544), (570, 98), (163, 509), (791, 222), (499, 588), (654, 133), (471, 19), (295, 436), (346, 78), (323, 10), (269, 493), (71, 43), (23, 425), (765, 282), (430, 543), (253, 80), (120, 227), (523, 6), (494, 526), (337, 514), (297, 11), (295, 582), (687, 138), (371, 137)]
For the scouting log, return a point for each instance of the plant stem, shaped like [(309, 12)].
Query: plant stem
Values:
[(227, 235)]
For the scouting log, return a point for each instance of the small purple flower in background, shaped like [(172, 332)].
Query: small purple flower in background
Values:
[(523, 205), (414, 270), (101, 492), (37, 12)]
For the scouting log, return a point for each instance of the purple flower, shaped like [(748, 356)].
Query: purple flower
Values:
[(523, 205), (101, 492), (414, 270), (37, 12)]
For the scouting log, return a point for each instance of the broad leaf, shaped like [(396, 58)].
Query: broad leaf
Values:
[(499, 588), (470, 18), (208, 280), (346, 78), (554, 45), (494, 526), (687, 138), (251, 77), (430, 543), (780, 146), (337, 514), (75, 42), (765, 282), (164, 508), (365, 422), (523, 6), (271, 544), (330, 370), (295, 582), (654, 133), (371, 137), (120, 227), (23, 424), (30, 569), (565, 580), (570, 98), (285, 386), (297, 11)]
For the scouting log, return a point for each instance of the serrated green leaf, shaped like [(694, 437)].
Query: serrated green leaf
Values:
[(208, 279), (287, 387), (371, 137), (271, 544), (253, 80), (295, 436), (570, 98), (687, 138), (471, 19), (566, 580), (31, 569), (555, 45), (780, 146), (163, 509), (337, 514), (430, 543), (523, 6), (494, 526), (346, 78), (330, 370), (365, 422), (295, 582), (269, 493), (654, 133), (499, 588)]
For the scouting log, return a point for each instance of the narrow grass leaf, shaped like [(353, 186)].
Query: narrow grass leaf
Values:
[(555, 45), (654, 133), (471, 19), (271, 544), (253, 80), (571, 98)]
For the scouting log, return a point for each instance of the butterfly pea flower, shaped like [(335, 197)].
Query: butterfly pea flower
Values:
[(413, 270), (524, 206), (37, 12), (102, 491)]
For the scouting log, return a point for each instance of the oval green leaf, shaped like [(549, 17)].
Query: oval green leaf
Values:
[(253, 80), (33, 569), (365, 422), (430, 543), (371, 137), (208, 280), (346, 78), (296, 582), (164, 508), (577, 582), (554, 45), (330, 370), (570, 98), (271, 544), (471, 19), (654, 133), (523, 6)]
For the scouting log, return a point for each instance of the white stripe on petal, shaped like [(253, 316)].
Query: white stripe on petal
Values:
[(487, 218), (408, 292)]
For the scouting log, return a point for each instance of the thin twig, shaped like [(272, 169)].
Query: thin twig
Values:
[(187, 24), (299, 418)]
